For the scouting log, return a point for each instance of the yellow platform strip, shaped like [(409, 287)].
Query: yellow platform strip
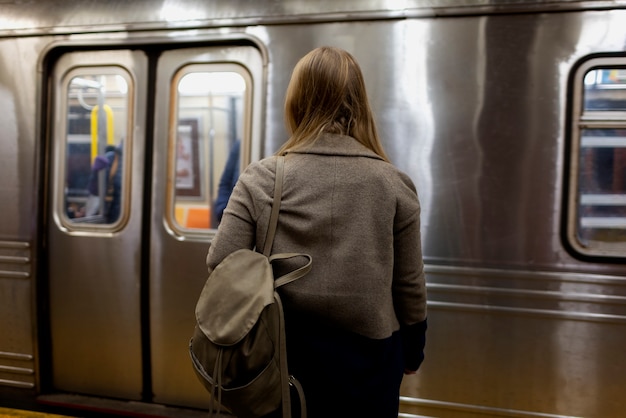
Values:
[(10, 413)]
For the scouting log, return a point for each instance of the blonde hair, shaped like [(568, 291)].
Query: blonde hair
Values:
[(327, 94)]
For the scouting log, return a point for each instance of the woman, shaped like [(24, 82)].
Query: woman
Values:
[(357, 321)]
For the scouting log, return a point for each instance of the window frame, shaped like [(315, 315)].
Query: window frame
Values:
[(246, 138), (581, 120), (61, 161)]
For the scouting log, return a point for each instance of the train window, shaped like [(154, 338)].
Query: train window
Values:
[(597, 221), (97, 107), (210, 104)]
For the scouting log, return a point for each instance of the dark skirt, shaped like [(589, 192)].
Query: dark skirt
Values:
[(344, 374)]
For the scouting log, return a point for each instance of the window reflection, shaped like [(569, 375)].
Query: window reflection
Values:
[(210, 109), (97, 112)]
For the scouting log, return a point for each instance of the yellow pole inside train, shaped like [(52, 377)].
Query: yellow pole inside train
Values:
[(108, 112)]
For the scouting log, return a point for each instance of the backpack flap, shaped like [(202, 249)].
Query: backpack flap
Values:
[(234, 296)]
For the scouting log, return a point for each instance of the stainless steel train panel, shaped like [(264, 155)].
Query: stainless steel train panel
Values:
[(61, 17), (18, 260), (530, 344), (17, 351)]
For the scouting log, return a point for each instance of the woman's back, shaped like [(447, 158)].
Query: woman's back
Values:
[(341, 204)]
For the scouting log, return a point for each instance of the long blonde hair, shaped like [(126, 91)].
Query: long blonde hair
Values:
[(327, 94)]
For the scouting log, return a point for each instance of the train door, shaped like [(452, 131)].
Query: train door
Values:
[(94, 250), (208, 107), (140, 143)]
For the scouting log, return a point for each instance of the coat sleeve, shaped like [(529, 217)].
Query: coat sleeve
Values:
[(409, 281), (413, 343), (245, 213)]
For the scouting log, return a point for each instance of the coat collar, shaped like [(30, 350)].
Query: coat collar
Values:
[(333, 144)]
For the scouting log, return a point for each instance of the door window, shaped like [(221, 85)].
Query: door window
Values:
[(211, 107), (96, 105)]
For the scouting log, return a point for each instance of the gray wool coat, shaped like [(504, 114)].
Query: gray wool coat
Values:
[(356, 215)]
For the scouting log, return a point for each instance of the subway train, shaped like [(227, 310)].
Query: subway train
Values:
[(120, 122)]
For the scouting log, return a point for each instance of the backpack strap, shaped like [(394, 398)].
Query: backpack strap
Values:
[(293, 275), (286, 379), (278, 193)]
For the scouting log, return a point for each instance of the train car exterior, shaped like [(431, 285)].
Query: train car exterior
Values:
[(509, 116)]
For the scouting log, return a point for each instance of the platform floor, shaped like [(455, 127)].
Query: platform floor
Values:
[(77, 406), (11, 413)]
